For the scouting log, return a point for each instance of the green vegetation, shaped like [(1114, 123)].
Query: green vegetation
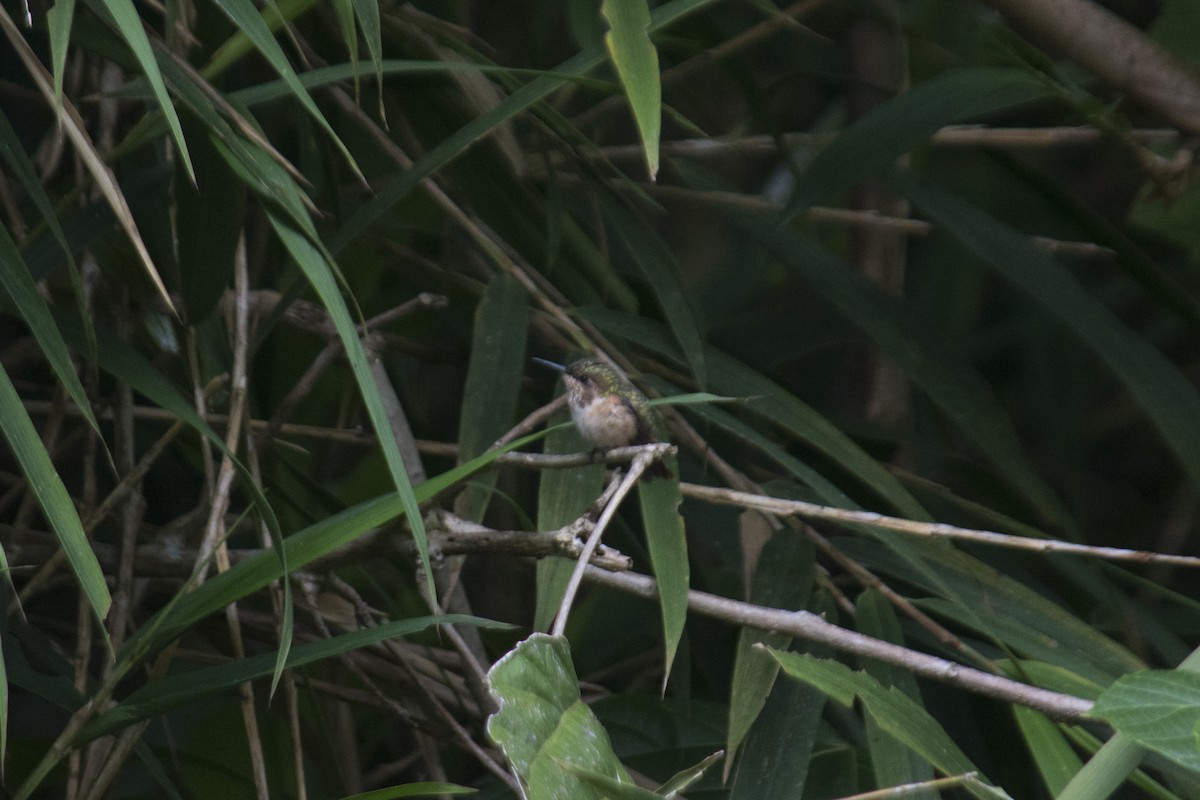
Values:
[(285, 508)]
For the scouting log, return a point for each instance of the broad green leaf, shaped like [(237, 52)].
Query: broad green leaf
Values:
[(493, 382), (251, 23), (667, 543), (872, 143), (636, 60), (1170, 402), (42, 478), (893, 764), (125, 16), (895, 712), (536, 90), (776, 757), (610, 788), (543, 726), (28, 304), (1159, 709), (193, 685), (782, 579)]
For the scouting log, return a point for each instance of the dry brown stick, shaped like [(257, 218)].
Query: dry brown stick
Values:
[(810, 627), (1114, 50)]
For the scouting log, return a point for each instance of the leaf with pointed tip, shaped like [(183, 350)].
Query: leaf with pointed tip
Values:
[(42, 478), (636, 60), (667, 543)]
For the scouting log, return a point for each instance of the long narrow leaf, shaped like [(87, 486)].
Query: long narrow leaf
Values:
[(1170, 402), (52, 495)]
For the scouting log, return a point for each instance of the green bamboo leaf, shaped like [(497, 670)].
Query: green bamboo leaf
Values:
[(645, 249), (251, 23), (543, 726), (126, 18), (344, 10), (874, 142), (777, 754), (126, 364), (1052, 753), (299, 549), (667, 543), (963, 397), (892, 763), (28, 304), (995, 605), (58, 24), (783, 578), (563, 496), (896, 713), (536, 90), (47, 486), (193, 685), (368, 19), (636, 60), (1168, 399), (4, 679), (493, 382), (320, 270)]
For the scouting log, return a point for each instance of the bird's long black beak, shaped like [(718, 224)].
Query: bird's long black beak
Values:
[(551, 364)]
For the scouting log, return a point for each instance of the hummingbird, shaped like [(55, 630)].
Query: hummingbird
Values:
[(608, 411)]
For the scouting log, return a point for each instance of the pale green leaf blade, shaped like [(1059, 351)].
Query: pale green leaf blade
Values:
[(1159, 709), (52, 495), (894, 127), (667, 543), (636, 60), (543, 725)]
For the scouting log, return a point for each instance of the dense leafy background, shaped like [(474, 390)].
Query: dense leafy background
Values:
[(950, 271)]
